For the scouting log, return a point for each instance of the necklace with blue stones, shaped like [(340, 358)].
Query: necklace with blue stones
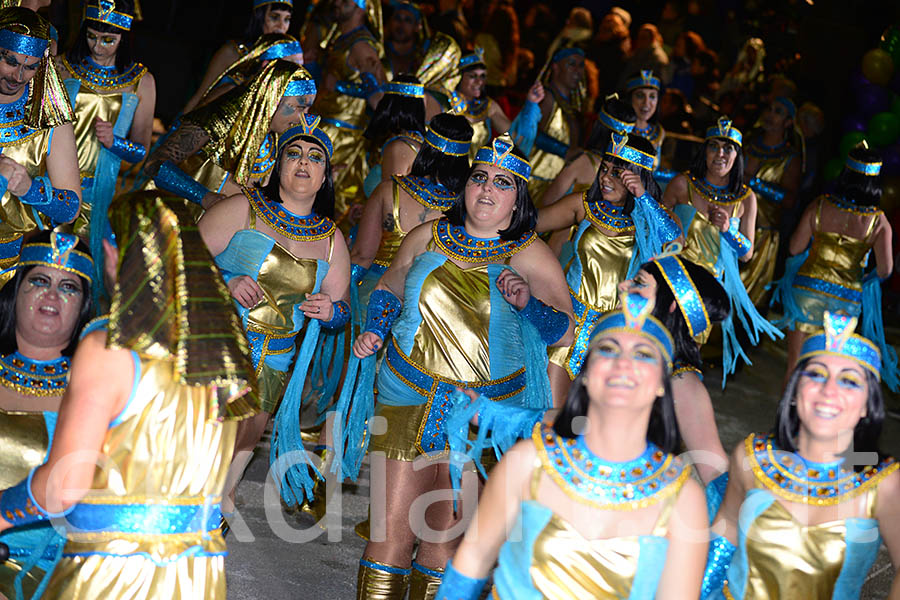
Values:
[(34, 377), (458, 244), (608, 215), (651, 133), (12, 122), (718, 194), (848, 206), (307, 228), (430, 194), (105, 78), (265, 158), (760, 151), (790, 476), (589, 479)]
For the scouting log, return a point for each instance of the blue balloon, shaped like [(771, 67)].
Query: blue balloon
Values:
[(872, 99)]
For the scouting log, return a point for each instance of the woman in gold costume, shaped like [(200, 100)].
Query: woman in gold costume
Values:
[(608, 455), (643, 94), (44, 308), (808, 504), (621, 225), (150, 413), (468, 319), (285, 263)]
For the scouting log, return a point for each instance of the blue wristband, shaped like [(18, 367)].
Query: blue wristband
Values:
[(357, 272), (717, 561), (127, 150), (60, 205), (365, 88), (369, 84), (664, 175), (552, 145), (339, 317), (456, 586), (383, 310), (770, 191), (18, 506), (666, 227), (736, 239), (550, 323), (171, 179)]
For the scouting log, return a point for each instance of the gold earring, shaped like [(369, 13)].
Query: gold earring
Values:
[(661, 392)]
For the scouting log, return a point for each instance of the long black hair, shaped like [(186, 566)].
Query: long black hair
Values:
[(396, 113), (258, 18), (864, 190), (622, 111), (865, 434), (79, 50), (10, 291), (662, 429), (449, 171), (647, 180), (524, 216), (713, 296), (323, 205), (735, 176)]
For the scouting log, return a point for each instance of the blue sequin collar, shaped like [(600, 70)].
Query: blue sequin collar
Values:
[(652, 133), (607, 215), (589, 479), (430, 194), (456, 243), (105, 78), (790, 476), (265, 158), (716, 194), (760, 151), (307, 228), (34, 377), (848, 206), (13, 129)]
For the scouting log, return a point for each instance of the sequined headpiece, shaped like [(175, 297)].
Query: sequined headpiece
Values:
[(870, 169), (282, 50), (475, 58), (258, 3), (635, 317), (58, 253), (408, 7), (611, 122), (618, 147), (445, 144), (30, 43), (687, 296), (564, 53), (723, 129), (839, 340), (411, 90), (104, 11), (301, 84), (644, 80), (308, 127), (499, 154)]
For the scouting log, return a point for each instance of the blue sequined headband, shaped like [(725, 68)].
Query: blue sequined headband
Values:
[(788, 104), (618, 147), (686, 294), (839, 340), (475, 58), (635, 317), (866, 168), (499, 154), (23, 44), (304, 86), (106, 13), (258, 3), (58, 253), (445, 144), (413, 90), (644, 80), (723, 129), (282, 50), (308, 127), (409, 7), (564, 53), (613, 123)]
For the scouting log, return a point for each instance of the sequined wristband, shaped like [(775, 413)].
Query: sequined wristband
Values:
[(127, 150), (664, 175), (339, 317), (552, 145), (456, 586), (171, 179), (357, 272), (18, 506), (60, 205), (770, 191), (550, 323), (666, 227), (736, 239), (384, 308), (365, 88), (717, 561)]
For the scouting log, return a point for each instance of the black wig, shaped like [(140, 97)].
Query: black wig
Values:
[(852, 186), (647, 180), (449, 171), (80, 51), (323, 205), (599, 137), (735, 176), (258, 18)]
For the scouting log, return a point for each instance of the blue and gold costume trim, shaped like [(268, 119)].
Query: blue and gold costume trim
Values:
[(13, 130), (588, 479), (686, 294), (410, 90), (34, 377), (430, 194), (59, 253), (456, 243), (24, 44), (264, 343), (144, 519), (307, 228), (646, 79), (614, 124), (499, 154), (791, 477), (723, 129), (103, 78), (619, 148), (474, 58), (635, 317), (608, 215), (104, 11), (839, 340), (445, 144), (652, 133), (870, 169), (719, 195), (308, 127), (265, 160)]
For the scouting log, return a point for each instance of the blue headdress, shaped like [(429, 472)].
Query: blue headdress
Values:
[(839, 340), (308, 127), (723, 129), (445, 144), (611, 122), (407, 6), (644, 80), (687, 296), (635, 317), (788, 104), (499, 154), (104, 11), (58, 253), (301, 84), (258, 3), (870, 169), (618, 147), (412, 90), (564, 53), (282, 50), (475, 58)]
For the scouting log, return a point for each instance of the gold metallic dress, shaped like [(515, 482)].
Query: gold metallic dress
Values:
[(701, 244), (546, 165), (167, 462)]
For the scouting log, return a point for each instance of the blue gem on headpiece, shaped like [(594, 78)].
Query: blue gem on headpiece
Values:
[(475, 58), (412, 90), (839, 339), (687, 297), (723, 129), (644, 80), (258, 3), (282, 50), (499, 154), (870, 169), (564, 53), (635, 317), (445, 144), (105, 12), (308, 127), (618, 147), (59, 253), (611, 122)]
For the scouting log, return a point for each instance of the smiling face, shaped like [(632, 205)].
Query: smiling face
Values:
[(472, 83), (610, 179), (644, 101), (623, 370), (276, 21), (102, 45), (48, 303), (16, 70), (720, 156), (288, 112), (831, 398), (490, 198), (302, 168)]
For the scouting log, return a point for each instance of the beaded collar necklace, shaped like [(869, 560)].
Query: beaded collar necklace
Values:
[(307, 228), (716, 194), (105, 78), (608, 215), (847, 206), (13, 129), (651, 133), (456, 243), (265, 158), (790, 476), (34, 377), (760, 151), (430, 194), (589, 479), (475, 108)]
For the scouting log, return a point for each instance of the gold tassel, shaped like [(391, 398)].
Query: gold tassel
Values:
[(374, 582)]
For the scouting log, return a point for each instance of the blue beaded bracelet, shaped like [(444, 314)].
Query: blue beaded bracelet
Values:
[(550, 323), (384, 308), (171, 179), (717, 562), (60, 205), (770, 191), (127, 150), (736, 239), (666, 227), (18, 506), (339, 317), (456, 586), (357, 272)]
